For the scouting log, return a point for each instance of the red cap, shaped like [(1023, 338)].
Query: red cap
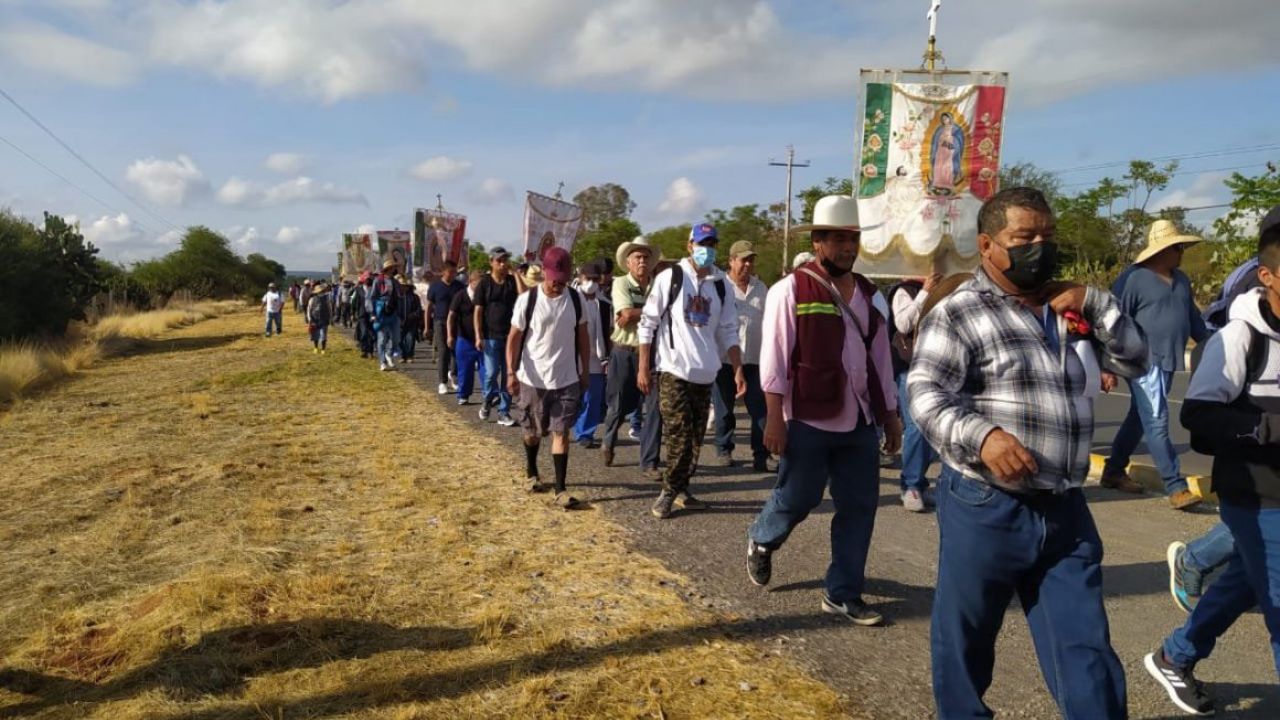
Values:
[(557, 266)]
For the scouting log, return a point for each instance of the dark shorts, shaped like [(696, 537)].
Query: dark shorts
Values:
[(547, 411)]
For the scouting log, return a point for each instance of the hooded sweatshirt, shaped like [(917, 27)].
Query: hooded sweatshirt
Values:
[(1240, 417)]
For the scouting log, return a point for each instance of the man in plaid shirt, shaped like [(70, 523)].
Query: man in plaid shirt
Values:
[(1001, 395)]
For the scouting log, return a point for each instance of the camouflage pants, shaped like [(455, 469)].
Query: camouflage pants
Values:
[(685, 407)]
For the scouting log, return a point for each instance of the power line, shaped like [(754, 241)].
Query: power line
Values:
[(83, 161), (58, 175), (1182, 172), (1182, 156)]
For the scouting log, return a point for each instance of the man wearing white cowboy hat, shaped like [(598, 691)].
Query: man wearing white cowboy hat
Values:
[(622, 393), (1158, 296), (827, 375)]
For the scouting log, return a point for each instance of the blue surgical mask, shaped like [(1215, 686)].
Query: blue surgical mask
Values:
[(703, 256)]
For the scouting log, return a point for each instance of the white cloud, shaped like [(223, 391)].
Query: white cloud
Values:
[(491, 191), (1206, 189), (296, 191), (287, 163), (108, 230), (440, 169), (44, 48), (366, 228), (167, 182), (243, 237), (683, 200), (289, 234)]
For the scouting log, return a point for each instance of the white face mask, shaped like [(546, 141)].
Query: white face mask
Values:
[(589, 287)]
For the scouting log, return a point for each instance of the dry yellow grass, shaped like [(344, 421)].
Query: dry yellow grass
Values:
[(26, 367), (228, 526)]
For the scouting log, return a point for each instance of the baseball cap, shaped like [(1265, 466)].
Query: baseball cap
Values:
[(1270, 220), (742, 248), (702, 232), (557, 266), (498, 253)]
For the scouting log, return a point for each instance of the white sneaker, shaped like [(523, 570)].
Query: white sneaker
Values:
[(442, 389), (912, 501), (384, 367)]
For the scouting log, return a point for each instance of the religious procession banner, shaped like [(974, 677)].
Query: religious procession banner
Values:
[(441, 236), (547, 222), (397, 245), (930, 157), (357, 255)]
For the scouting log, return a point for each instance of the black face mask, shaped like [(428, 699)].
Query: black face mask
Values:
[(1031, 265), (833, 270)]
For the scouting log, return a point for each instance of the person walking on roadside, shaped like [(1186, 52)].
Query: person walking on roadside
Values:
[(460, 339), (828, 384), (599, 314), (494, 301), (384, 293), (440, 296), (907, 298), (549, 352), (412, 320), (304, 296), (319, 315), (273, 306), (295, 292), (361, 305), (690, 316), (1232, 410), (1158, 296), (749, 294), (995, 386), (343, 306), (622, 389)]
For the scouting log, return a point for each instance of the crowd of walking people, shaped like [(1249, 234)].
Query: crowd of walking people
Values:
[(993, 373)]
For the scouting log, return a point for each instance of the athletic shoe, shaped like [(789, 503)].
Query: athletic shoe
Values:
[(1184, 689), (759, 563), (662, 506), (764, 464), (854, 610), (534, 484), (889, 461), (323, 352), (724, 460), (1120, 481), (608, 457), (315, 351), (505, 420), (633, 434), (384, 367), (1185, 585), (588, 443), (653, 473), (442, 389), (565, 501), (484, 409), (463, 401), (686, 501), (913, 500), (1184, 500)]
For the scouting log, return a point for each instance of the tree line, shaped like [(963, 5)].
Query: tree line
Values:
[(50, 275)]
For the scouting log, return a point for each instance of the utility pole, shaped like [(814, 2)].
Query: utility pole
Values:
[(786, 221)]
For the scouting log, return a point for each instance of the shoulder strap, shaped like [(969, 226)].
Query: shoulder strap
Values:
[(720, 289), (577, 306), (840, 303), (1256, 358), (673, 294), (528, 319)]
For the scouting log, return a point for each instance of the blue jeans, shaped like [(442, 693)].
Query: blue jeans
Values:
[(1252, 579), (320, 336), (495, 375), (917, 453), (651, 430), (591, 410), (849, 464), (388, 340), (1045, 548), (723, 399), (274, 317), (1148, 417), (1210, 551), (467, 358)]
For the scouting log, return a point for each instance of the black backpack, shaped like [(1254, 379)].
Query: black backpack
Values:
[(528, 318), (1255, 362), (677, 286)]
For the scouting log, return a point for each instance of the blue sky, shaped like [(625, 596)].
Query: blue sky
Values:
[(283, 123)]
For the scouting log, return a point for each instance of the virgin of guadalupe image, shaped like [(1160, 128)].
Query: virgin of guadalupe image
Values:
[(946, 150)]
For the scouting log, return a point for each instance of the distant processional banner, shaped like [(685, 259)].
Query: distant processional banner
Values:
[(930, 157), (357, 255), (397, 245), (441, 236), (547, 222)]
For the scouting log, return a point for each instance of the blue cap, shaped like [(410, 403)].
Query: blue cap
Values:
[(703, 232)]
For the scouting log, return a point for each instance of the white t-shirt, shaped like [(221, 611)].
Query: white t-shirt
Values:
[(274, 301), (550, 359)]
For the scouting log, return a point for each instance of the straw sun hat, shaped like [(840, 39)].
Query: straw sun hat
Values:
[(1162, 236)]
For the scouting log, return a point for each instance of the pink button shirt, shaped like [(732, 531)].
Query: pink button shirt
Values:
[(780, 340)]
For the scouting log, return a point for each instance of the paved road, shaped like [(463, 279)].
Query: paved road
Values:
[(885, 671), (1111, 410)]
